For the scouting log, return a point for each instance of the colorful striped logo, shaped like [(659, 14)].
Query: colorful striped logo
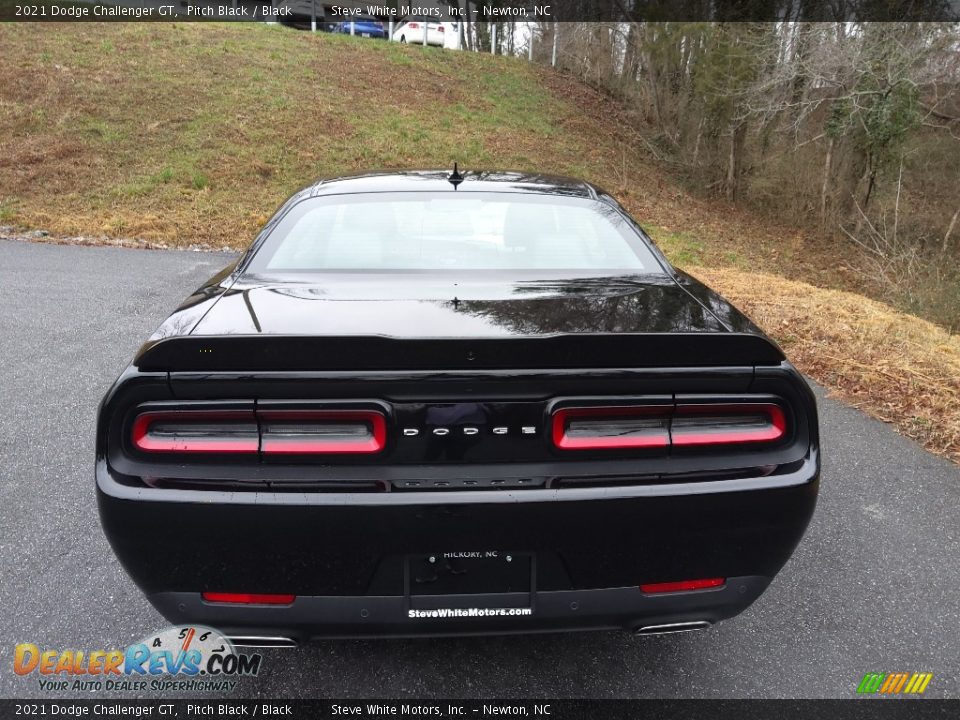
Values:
[(895, 683)]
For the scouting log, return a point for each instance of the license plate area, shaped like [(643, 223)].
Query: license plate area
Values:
[(457, 579)]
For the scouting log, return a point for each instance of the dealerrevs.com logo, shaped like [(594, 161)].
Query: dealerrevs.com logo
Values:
[(192, 657)]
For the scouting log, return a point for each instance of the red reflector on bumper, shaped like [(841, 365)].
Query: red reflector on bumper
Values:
[(248, 598), (682, 585)]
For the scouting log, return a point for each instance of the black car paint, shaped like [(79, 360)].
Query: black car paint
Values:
[(496, 346)]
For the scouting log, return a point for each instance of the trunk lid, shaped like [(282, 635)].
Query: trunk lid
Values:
[(418, 307), (353, 322)]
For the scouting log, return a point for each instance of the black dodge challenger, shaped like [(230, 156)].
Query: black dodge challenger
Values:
[(443, 403)]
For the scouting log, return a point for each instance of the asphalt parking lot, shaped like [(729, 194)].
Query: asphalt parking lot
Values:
[(873, 586)]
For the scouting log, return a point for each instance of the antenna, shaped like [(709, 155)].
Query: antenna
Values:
[(455, 178)]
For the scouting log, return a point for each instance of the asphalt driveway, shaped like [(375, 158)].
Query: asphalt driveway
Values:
[(875, 585)]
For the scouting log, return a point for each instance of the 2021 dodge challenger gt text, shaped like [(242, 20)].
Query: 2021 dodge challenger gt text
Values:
[(431, 403)]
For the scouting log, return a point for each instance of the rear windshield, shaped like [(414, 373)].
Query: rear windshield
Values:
[(418, 231)]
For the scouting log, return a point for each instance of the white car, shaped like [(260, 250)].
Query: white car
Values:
[(411, 31)]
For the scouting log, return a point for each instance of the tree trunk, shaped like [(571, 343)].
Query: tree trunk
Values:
[(733, 162), (650, 69), (825, 185), (865, 178), (946, 237), (799, 85), (631, 58), (871, 183), (696, 144)]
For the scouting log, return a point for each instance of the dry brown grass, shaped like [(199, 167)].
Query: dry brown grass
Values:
[(896, 367)]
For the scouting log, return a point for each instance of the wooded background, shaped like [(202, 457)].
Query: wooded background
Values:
[(849, 129)]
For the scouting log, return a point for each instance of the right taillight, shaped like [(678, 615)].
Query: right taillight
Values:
[(663, 426), (706, 424)]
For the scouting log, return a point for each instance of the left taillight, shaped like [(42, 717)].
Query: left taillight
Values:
[(267, 432), (323, 432), (196, 431)]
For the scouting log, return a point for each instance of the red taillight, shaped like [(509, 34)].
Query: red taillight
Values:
[(196, 431), (271, 432), (682, 585), (610, 428), (727, 424), (296, 432), (248, 598), (661, 426), (413, 26), (440, 28)]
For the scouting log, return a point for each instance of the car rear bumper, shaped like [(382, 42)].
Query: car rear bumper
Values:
[(346, 556), (312, 617)]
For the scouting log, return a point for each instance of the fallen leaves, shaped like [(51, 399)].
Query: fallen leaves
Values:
[(897, 367)]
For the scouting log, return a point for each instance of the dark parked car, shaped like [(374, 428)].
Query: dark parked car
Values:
[(427, 403), (363, 26)]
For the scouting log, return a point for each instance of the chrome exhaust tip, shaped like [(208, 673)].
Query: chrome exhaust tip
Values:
[(262, 641), (669, 628)]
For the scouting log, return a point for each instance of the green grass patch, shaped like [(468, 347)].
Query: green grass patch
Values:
[(681, 248), (199, 181), (7, 213)]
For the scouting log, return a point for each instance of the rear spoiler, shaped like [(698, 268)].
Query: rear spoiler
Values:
[(304, 353)]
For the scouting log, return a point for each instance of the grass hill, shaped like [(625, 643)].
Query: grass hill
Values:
[(193, 133)]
